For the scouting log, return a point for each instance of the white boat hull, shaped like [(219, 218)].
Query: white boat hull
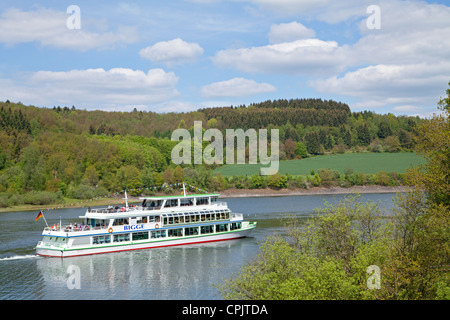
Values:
[(139, 245)]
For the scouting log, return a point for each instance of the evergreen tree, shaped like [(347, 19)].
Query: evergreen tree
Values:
[(312, 142), (363, 134), (384, 130)]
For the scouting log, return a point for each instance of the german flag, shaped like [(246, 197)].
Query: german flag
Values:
[(40, 215)]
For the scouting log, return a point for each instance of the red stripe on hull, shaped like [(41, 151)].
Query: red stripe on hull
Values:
[(146, 248)]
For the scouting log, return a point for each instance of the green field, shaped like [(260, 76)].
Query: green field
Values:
[(359, 162)]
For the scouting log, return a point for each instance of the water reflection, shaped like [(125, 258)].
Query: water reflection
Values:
[(185, 272)]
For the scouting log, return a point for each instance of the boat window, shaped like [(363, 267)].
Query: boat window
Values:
[(191, 231), (203, 217), (100, 223), (186, 202), (235, 225), (101, 239), (121, 237), (171, 203), (206, 229), (151, 204), (158, 234), (221, 227), (202, 200), (139, 236), (175, 232), (213, 199)]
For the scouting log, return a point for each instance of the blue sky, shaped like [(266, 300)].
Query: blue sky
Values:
[(183, 55)]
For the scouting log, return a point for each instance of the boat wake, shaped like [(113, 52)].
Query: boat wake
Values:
[(27, 256)]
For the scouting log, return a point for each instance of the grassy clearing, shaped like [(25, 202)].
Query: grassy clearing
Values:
[(359, 162)]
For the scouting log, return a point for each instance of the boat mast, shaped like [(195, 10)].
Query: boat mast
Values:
[(184, 190), (126, 200)]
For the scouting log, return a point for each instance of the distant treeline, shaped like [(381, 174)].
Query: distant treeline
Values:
[(308, 112)]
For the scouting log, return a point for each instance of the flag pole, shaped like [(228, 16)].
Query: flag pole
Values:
[(44, 217)]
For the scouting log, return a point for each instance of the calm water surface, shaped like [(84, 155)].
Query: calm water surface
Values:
[(185, 272)]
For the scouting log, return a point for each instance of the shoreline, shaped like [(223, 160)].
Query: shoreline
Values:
[(224, 194), (246, 193)]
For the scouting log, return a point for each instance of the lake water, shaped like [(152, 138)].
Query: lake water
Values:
[(184, 272)]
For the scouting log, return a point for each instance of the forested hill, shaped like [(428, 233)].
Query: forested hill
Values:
[(77, 153), (308, 112)]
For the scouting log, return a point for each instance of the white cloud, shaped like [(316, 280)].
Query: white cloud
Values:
[(408, 109), (287, 32), (236, 87), (301, 57), (48, 27), (92, 88), (172, 52), (404, 65), (408, 59), (390, 85), (175, 106), (421, 35)]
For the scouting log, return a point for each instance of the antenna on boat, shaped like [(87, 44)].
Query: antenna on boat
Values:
[(184, 190), (126, 200)]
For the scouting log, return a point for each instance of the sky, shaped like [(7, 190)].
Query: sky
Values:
[(386, 56)]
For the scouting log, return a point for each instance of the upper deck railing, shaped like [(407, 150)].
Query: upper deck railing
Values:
[(73, 228), (118, 209)]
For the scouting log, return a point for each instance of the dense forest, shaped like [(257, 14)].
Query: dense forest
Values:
[(50, 153)]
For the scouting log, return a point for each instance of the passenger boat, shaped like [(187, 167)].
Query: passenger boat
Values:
[(157, 222)]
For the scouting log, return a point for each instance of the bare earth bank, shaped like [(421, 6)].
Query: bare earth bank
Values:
[(241, 193)]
